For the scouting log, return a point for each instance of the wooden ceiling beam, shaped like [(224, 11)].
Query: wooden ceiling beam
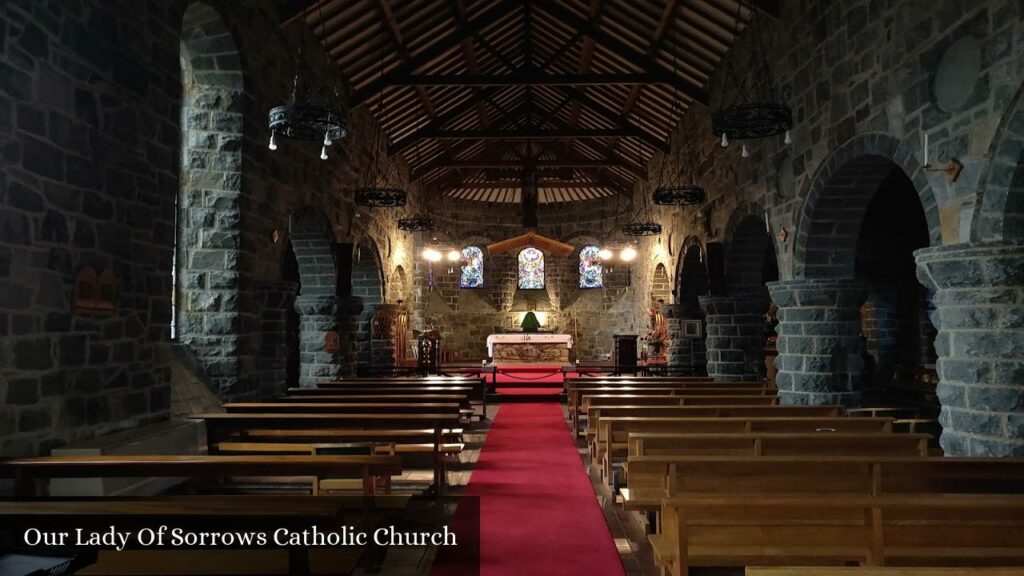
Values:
[(535, 134), (509, 164), (623, 50), (603, 110), (388, 15), (532, 78), (435, 51), (540, 184), (292, 10)]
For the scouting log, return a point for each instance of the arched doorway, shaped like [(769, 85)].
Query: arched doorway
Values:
[(363, 298), (207, 238), (687, 351), (898, 336), (737, 339), (823, 356), (316, 307)]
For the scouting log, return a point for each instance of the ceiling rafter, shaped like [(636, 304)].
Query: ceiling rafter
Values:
[(435, 51)]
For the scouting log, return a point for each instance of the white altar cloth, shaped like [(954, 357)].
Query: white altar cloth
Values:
[(524, 338)]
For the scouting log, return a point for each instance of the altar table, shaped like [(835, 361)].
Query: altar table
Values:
[(531, 348)]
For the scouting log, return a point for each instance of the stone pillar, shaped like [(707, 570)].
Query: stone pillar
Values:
[(686, 351), (735, 336), (978, 309), (820, 357), (318, 315)]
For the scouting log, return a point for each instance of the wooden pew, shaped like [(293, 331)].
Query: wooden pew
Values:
[(478, 387), (216, 513), (762, 444), (652, 478), (598, 400), (376, 391), (611, 441), (344, 408), (574, 397), (25, 471), (834, 529), (778, 444), (879, 571), (595, 414), (225, 427), (375, 398)]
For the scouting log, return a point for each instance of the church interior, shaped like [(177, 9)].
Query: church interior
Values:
[(488, 287)]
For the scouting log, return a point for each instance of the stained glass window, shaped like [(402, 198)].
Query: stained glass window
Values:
[(591, 274), (472, 267), (531, 269)]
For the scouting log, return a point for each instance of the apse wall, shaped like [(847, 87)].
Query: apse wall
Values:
[(90, 132)]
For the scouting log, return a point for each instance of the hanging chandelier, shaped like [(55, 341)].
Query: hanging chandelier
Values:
[(637, 229), (380, 197), (646, 227), (758, 111), (416, 224), (680, 194), (311, 114), (685, 195), (372, 194)]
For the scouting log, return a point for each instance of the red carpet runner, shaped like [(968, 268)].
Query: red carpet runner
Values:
[(538, 511)]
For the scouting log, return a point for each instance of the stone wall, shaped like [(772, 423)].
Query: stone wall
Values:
[(98, 137)]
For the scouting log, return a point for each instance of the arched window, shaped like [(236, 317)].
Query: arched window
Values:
[(591, 271), (472, 268), (531, 269)]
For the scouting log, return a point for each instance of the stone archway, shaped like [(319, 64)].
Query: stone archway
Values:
[(821, 352), (999, 208), (317, 305), (839, 195), (736, 339), (207, 256), (365, 299), (687, 350)]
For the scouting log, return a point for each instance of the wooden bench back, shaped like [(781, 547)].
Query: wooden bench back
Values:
[(346, 408), (778, 444), (653, 477), (678, 400), (595, 414), (574, 396), (610, 445), (879, 571), (787, 528), (378, 390)]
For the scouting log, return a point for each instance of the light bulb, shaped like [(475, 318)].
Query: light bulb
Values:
[(725, 140), (788, 139), (745, 153), (431, 255), (454, 256), (327, 138), (627, 254), (605, 254), (323, 153), (273, 140)]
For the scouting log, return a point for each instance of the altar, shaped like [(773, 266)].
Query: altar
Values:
[(529, 348)]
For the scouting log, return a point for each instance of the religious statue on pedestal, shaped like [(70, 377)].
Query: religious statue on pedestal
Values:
[(657, 337)]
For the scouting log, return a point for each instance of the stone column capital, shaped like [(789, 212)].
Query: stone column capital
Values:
[(828, 293), (733, 304), (971, 265)]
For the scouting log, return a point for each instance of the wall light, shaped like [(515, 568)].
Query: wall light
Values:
[(431, 255), (628, 254), (454, 256), (605, 254)]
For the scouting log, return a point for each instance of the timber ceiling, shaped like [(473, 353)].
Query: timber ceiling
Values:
[(477, 94)]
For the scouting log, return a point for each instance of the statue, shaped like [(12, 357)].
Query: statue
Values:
[(657, 337), (530, 323)]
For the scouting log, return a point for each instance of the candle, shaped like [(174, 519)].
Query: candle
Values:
[(926, 148)]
